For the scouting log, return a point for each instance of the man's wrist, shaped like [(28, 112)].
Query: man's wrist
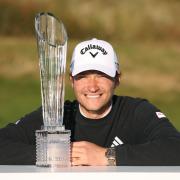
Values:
[(111, 156)]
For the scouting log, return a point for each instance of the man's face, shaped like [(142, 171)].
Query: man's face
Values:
[(93, 90)]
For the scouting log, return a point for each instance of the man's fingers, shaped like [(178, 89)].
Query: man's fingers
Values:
[(76, 154), (86, 153), (78, 151)]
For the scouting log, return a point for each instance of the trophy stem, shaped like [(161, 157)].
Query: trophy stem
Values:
[(53, 83)]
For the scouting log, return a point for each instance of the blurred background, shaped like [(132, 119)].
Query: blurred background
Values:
[(145, 34)]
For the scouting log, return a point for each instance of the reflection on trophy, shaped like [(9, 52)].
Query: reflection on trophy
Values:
[(52, 140)]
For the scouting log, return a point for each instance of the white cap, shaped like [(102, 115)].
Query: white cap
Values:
[(94, 55)]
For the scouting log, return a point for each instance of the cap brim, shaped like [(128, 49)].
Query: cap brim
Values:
[(107, 70)]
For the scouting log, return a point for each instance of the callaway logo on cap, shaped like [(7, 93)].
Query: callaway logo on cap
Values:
[(94, 55)]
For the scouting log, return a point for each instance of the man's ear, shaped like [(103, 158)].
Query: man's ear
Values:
[(117, 80)]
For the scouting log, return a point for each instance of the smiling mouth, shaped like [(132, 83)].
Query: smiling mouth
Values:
[(93, 96)]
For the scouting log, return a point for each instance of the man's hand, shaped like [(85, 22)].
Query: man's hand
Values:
[(86, 153)]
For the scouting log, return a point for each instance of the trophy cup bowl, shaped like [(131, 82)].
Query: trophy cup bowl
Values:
[(52, 140)]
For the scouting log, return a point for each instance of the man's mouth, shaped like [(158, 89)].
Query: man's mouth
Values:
[(93, 96)]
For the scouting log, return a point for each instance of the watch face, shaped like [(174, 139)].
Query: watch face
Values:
[(110, 152)]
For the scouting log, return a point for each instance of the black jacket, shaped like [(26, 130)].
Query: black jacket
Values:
[(141, 134)]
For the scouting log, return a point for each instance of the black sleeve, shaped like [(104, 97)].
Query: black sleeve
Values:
[(17, 141), (157, 141)]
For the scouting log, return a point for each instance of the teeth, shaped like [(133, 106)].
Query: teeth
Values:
[(92, 96)]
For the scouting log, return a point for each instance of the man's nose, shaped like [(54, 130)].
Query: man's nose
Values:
[(92, 85)]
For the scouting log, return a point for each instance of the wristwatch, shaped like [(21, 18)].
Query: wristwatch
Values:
[(111, 156)]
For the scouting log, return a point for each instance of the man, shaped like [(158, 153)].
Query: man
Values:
[(106, 129)]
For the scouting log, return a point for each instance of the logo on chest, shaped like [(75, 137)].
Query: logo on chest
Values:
[(116, 142)]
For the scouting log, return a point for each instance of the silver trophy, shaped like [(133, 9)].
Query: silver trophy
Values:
[(52, 140)]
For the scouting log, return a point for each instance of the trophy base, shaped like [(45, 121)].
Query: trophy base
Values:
[(53, 147)]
